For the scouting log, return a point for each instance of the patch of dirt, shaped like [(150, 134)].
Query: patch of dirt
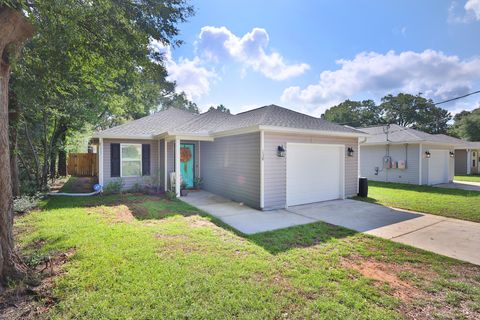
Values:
[(30, 301), (116, 214), (416, 301), (385, 272), (197, 222)]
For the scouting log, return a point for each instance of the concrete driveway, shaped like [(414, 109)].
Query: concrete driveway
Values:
[(464, 185), (450, 237)]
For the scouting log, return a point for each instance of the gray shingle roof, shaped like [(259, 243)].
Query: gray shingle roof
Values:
[(459, 143), (274, 115), (182, 122), (154, 124), (399, 134)]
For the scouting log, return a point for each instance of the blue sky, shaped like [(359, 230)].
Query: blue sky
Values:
[(309, 55)]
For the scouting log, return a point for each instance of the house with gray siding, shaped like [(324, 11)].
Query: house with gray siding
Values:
[(267, 158), (393, 153), (467, 155)]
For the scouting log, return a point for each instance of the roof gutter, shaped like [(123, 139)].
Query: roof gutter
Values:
[(314, 132)]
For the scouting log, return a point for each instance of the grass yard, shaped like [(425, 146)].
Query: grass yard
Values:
[(470, 177), (453, 203), (138, 257)]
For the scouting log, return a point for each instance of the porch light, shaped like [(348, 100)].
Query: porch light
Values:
[(350, 151), (281, 152), (452, 154), (427, 154)]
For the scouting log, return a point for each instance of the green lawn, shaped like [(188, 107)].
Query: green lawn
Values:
[(176, 262), (470, 177), (454, 203)]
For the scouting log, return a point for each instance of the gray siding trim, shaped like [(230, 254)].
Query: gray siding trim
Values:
[(372, 156), (230, 167), (130, 181), (275, 173)]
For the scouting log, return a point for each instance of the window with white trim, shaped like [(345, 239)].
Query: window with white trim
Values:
[(130, 160)]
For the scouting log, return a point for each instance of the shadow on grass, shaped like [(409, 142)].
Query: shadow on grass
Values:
[(146, 207), (302, 236), (423, 189)]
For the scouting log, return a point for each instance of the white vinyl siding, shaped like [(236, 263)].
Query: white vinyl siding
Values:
[(230, 167), (372, 156)]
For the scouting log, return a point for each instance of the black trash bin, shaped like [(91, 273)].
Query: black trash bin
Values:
[(363, 187)]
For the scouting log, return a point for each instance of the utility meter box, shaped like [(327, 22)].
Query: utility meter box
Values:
[(402, 164)]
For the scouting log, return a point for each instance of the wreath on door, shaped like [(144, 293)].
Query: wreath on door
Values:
[(185, 156)]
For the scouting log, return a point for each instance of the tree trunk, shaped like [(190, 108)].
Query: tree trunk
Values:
[(62, 157), (14, 30), (13, 124), (53, 163)]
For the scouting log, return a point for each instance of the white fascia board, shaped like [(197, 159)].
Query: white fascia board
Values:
[(313, 132), (235, 132), (120, 137), (448, 146), (170, 136)]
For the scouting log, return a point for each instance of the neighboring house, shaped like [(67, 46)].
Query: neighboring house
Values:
[(467, 155), (467, 158), (398, 154), (266, 158)]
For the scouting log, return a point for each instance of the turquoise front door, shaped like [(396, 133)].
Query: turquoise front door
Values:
[(187, 160)]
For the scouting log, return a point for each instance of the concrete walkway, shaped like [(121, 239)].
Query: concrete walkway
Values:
[(450, 237), (463, 185)]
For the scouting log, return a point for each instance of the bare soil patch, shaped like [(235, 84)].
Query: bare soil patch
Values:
[(31, 300), (416, 302), (114, 214)]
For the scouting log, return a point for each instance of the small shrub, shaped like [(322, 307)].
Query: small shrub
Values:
[(197, 183), (137, 188), (114, 186), (24, 204), (170, 195)]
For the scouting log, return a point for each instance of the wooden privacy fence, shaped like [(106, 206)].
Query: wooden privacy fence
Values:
[(82, 164)]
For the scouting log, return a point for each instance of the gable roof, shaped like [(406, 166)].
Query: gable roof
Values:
[(277, 116), (148, 126), (459, 143), (176, 121), (400, 134)]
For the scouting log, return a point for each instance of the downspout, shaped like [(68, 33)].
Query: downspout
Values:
[(262, 170)]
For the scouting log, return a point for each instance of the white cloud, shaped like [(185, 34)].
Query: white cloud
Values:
[(431, 72), (220, 44), (189, 75), (468, 13), (474, 6)]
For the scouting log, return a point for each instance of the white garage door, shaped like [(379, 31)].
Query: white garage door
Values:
[(438, 166), (314, 173)]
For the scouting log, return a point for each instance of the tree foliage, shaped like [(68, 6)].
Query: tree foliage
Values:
[(220, 108), (90, 65), (179, 101), (403, 109), (467, 125), (355, 113)]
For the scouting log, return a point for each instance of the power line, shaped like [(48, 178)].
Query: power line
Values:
[(456, 98)]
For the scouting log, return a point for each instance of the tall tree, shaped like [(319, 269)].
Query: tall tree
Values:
[(467, 125), (415, 111), (179, 101), (355, 113), (220, 108), (89, 63), (14, 31)]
